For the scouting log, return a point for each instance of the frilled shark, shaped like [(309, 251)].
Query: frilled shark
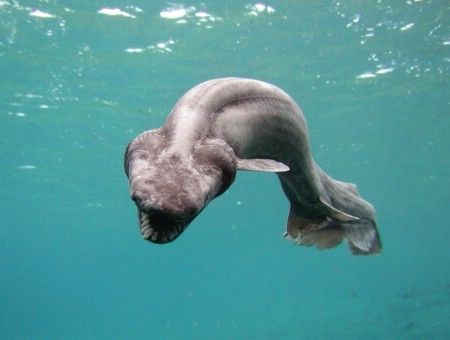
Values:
[(229, 124)]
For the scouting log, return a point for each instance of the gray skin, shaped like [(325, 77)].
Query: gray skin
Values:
[(229, 124)]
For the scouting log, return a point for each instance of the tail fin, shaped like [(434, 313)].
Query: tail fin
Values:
[(362, 237)]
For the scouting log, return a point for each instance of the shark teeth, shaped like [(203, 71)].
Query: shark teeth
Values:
[(159, 230)]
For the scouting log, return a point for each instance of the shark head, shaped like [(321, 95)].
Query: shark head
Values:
[(170, 189)]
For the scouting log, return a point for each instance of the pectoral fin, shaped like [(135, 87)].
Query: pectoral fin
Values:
[(257, 164)]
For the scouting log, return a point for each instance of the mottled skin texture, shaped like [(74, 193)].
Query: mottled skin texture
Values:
[(228, 124)]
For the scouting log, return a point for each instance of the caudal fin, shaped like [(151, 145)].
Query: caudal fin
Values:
[(362, 237)]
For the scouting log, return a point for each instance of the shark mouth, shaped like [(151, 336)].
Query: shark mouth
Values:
[(158, 227)]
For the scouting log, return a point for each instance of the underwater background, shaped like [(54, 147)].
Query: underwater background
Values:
[(80, 79)]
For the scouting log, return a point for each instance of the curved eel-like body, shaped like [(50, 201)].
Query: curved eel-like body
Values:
[(227, 124)]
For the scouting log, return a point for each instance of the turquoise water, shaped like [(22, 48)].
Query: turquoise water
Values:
[(81, 79)]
